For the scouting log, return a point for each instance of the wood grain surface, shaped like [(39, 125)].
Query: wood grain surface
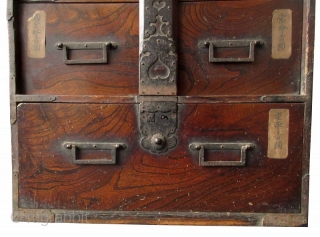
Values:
[(197, 21), (116, 22), (239, 20), (141, 181)]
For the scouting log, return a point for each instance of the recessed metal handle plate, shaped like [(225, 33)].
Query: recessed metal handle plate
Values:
[(230, 44), (243, 147), (113, 147), (104, 46)]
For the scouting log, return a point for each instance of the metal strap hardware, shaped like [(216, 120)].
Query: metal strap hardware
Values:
[(158, 108), (243, 147), (230, 44), (158, 53), (94, 146), (86, 46)]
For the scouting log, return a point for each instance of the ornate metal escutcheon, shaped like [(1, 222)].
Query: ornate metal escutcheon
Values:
[(158, 57), (158, 124), (158, 75)]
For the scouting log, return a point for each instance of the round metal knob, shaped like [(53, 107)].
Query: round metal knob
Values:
[(158, 141)]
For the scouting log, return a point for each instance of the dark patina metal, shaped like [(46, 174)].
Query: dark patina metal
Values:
[(104, 46), (158, 124), (113, 147), (230, 44), (158, 76), (243, 147), (158, 57)]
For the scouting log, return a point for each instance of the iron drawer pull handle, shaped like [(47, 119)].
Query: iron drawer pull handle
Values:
[(243, 147), (86, 46), (113, 147), (231, 44)]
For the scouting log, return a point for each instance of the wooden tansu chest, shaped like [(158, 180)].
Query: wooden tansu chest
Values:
[(161, 112)]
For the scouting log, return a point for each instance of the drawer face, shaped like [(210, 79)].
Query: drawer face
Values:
[(241, 21), (80, 23), (141, 181)]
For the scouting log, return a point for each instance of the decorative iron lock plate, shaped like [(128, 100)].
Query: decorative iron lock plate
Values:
[(158, 124), (158, 76)]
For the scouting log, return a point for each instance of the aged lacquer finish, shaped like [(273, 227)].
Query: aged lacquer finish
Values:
[(161, 112), (148, 182)]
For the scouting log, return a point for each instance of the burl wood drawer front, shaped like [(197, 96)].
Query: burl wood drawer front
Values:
[(85, 24), (240, 21), (49, 178)]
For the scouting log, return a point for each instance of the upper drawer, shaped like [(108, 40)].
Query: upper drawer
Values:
[(79, 23), (228, 23), (275, 67)]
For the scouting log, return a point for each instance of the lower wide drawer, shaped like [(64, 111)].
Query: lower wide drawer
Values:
[(228, 158)]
